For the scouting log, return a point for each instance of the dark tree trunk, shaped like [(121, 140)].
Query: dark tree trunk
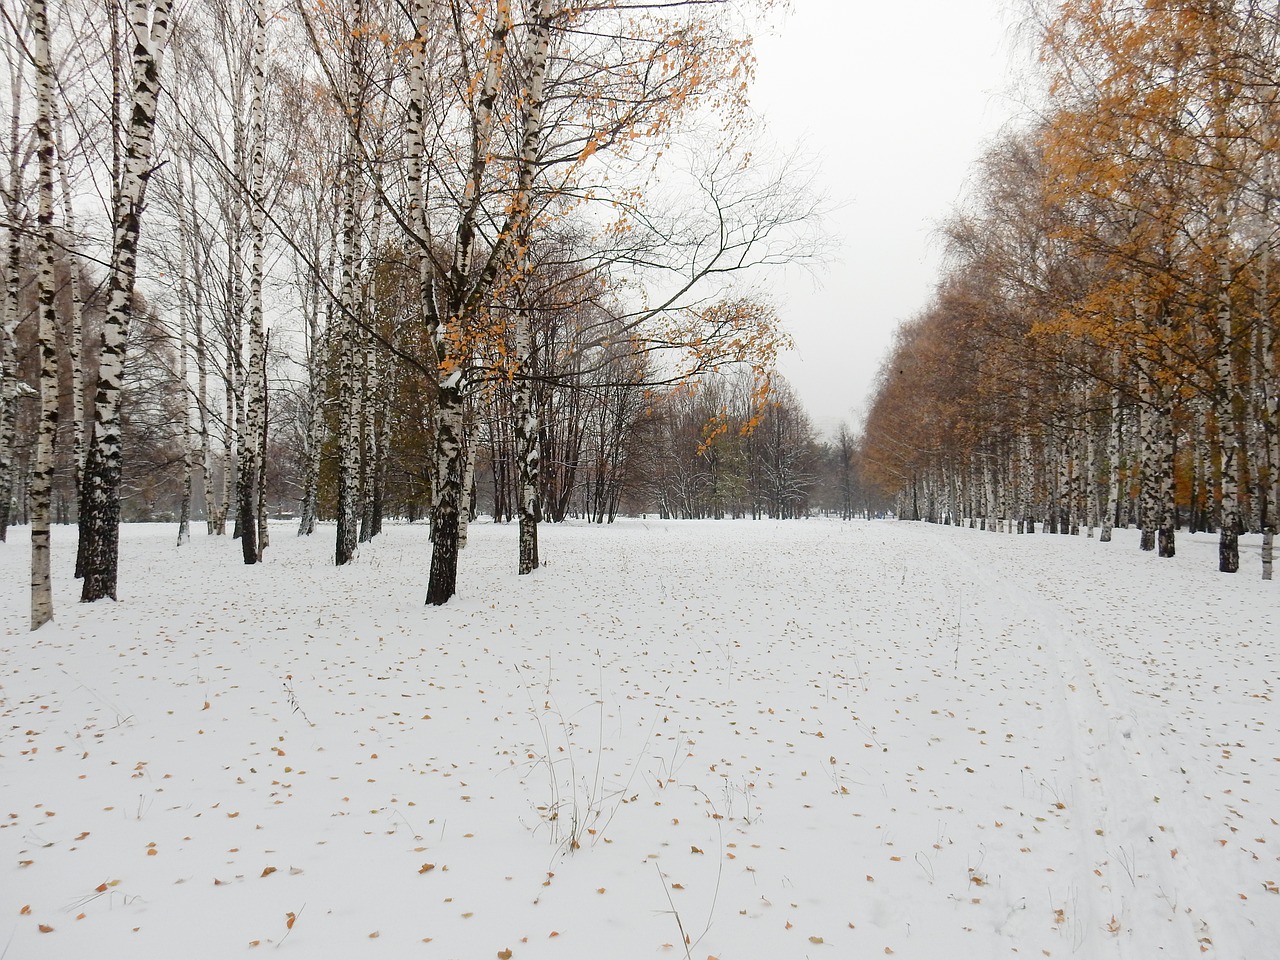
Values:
[(444, 515)]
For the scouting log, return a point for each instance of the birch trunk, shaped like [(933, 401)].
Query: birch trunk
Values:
[(1267, 362), (380, 478), (1062, 502), (1026, 516), (464, 297), (202, 363), (1008, 491), (235, 430), (318, 356), (42, 474), (348, 387), (253, 410), (371, 389), (75, 321), (1229, 504), (191, 435), (444, 523), (416, 181), (1271, 416), (226, 459), (149, 25), (9, 308), (264, 420), (1089, 473), (527, 447), (1165, 488), (1147, 429), (1113, 453), (368, 437), (470, 450), (237, 305), (988, 496), (1233, 452), (188, 445), (1199, 486), (1071, 461), (315, 423)]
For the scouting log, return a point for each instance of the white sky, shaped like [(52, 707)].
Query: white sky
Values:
[(895, 102)]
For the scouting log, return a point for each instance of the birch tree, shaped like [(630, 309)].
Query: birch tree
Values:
[(252, 463), (42, 475), (149, 24), (13, 188)]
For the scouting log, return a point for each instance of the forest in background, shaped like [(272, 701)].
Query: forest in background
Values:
[(444, 258), (353, 260), (1102, 349)]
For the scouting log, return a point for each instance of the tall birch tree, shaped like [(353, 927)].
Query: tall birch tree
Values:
[(252, 464), (149, 23), (13, 188), (42, 475)]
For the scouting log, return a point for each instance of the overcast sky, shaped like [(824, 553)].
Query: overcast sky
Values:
[(894, 102)]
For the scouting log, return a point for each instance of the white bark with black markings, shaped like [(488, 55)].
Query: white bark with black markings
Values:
[(149, 25), (42, 474)]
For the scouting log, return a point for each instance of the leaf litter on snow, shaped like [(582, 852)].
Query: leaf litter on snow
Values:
[(708, 739)]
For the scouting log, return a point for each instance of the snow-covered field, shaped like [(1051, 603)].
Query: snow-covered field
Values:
[(804, 739)]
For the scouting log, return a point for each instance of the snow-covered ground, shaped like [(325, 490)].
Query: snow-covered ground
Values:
[(803, 739)]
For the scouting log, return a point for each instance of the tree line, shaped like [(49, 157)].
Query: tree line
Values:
[(1102, 348), (386, 257)]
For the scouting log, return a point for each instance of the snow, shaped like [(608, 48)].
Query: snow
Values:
[(800, 739)]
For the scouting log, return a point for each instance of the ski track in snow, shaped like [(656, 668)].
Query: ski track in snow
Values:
[(801, 739)]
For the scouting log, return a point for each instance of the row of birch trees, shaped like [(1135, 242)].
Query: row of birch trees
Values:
[(432, 224), (1103, 347)]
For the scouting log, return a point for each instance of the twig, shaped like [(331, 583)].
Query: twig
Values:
[(293, 699), (289, 925), (684, 937)]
